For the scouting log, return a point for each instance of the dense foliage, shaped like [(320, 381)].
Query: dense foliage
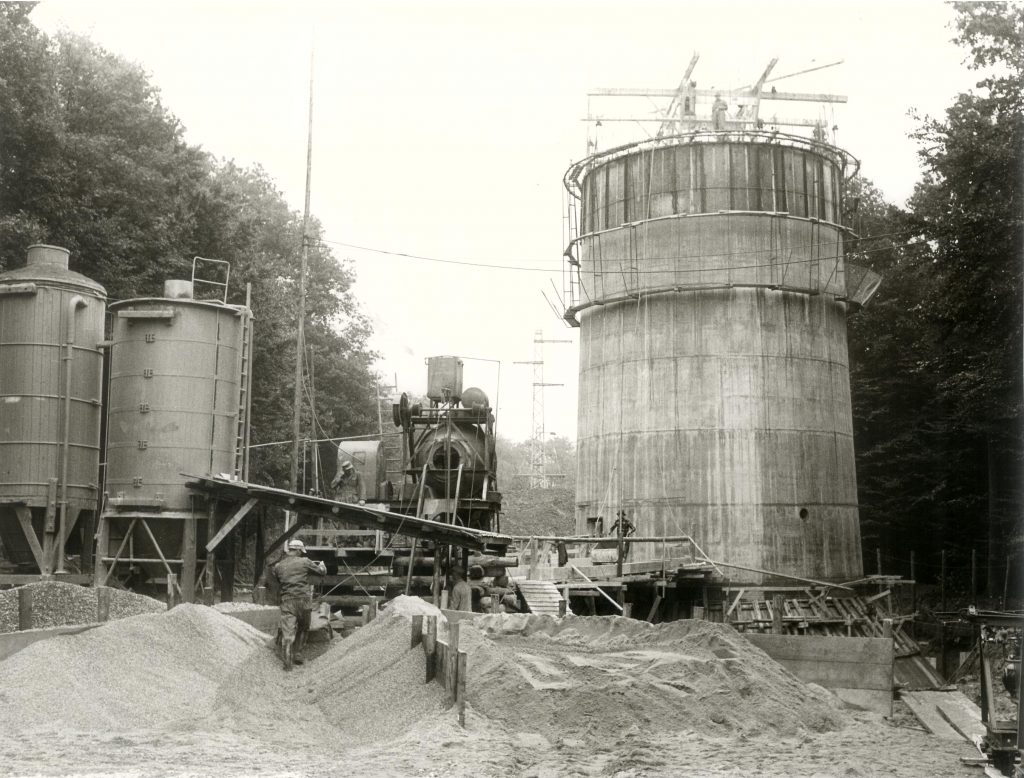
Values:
[(91, 160), (936, 357)]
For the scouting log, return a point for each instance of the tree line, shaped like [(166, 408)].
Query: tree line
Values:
[(90, 159), (936, 357)]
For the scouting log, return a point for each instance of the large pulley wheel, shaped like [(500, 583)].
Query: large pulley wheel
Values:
[(400, 413)]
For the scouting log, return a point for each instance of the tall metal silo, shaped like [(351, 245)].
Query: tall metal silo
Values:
[(177, 404), (51, 368), (714, 394)]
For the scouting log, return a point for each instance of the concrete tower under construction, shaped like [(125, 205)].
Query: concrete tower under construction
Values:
[(711, 292)]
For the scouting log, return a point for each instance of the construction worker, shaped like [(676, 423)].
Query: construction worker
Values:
[(719, 108), (461, 596), (296, 599), (348, 483)]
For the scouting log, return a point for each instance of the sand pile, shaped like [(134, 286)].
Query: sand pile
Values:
[(408, 607), (366, 688), (129, 674), (590, 676), (56, 604)]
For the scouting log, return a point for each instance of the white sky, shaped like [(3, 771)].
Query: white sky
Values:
[(443, 129)]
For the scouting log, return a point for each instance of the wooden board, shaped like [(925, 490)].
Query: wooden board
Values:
[(858, 670), (928, 714), (13, 642), (953, 710)]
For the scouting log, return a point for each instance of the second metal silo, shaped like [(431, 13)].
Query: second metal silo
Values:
[(51, 366), (177, 405), (714, 380)]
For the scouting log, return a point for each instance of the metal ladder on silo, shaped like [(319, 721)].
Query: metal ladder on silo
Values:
[(241, 471)]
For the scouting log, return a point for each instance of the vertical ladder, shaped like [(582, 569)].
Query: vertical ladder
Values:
[(241, 471)]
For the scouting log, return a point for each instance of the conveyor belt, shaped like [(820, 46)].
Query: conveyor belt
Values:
[(361, 516)]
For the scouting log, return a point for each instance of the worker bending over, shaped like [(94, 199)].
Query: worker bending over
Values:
[(292, 578)]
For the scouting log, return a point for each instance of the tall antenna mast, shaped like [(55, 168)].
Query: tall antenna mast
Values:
[(538, 474), (301, 324)]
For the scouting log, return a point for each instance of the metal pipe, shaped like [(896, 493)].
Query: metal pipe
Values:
[(74, 304)]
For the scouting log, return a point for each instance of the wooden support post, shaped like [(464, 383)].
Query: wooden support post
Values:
[(534, 561), (887, 632), (259, 555), (653, 612), (103, 603), (172, 590), (25, 620), (102, 550), (627, 610), (878, 559), (364, 613), (430, 648), (435, 583), (210, 568), (561, 608), (188, 559), (259, 595), (372, 609), (86, 531), (453, 635), (49, 529), (412, 563), (417, 631), (226, 568), (777, 606), (460, 686)]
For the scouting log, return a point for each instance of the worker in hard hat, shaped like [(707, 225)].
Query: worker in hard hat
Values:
[(348, 483), (296, 599)]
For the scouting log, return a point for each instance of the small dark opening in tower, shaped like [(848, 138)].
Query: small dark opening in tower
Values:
[(803, 513)]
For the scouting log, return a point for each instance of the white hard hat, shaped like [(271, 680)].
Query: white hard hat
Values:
[(296, 545)]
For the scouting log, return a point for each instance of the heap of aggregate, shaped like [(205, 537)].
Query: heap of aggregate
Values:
[(57, 604), (145, 671), (587, 675)]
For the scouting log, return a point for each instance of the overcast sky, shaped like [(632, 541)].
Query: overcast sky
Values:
[(443, 129)]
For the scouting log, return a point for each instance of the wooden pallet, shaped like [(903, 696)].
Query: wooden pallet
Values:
[(542, 597)]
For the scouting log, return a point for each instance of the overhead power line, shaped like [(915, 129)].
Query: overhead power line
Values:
[(745, 252)]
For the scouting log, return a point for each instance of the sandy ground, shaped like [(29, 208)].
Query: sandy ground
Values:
[(361, 709), (867, 747)]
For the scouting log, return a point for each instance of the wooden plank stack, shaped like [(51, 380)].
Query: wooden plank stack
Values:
[(542, 597)]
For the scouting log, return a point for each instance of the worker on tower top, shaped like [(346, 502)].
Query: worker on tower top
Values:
[(719, 109)]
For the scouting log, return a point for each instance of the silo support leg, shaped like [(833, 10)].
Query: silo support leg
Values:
[(24, 514)]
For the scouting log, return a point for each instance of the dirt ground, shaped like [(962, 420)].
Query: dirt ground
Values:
[(591, 699)]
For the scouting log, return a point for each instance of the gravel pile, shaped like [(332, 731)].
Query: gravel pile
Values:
[(411, 606), (130, 674), (56, 604), (586, 675), (367, 688)]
